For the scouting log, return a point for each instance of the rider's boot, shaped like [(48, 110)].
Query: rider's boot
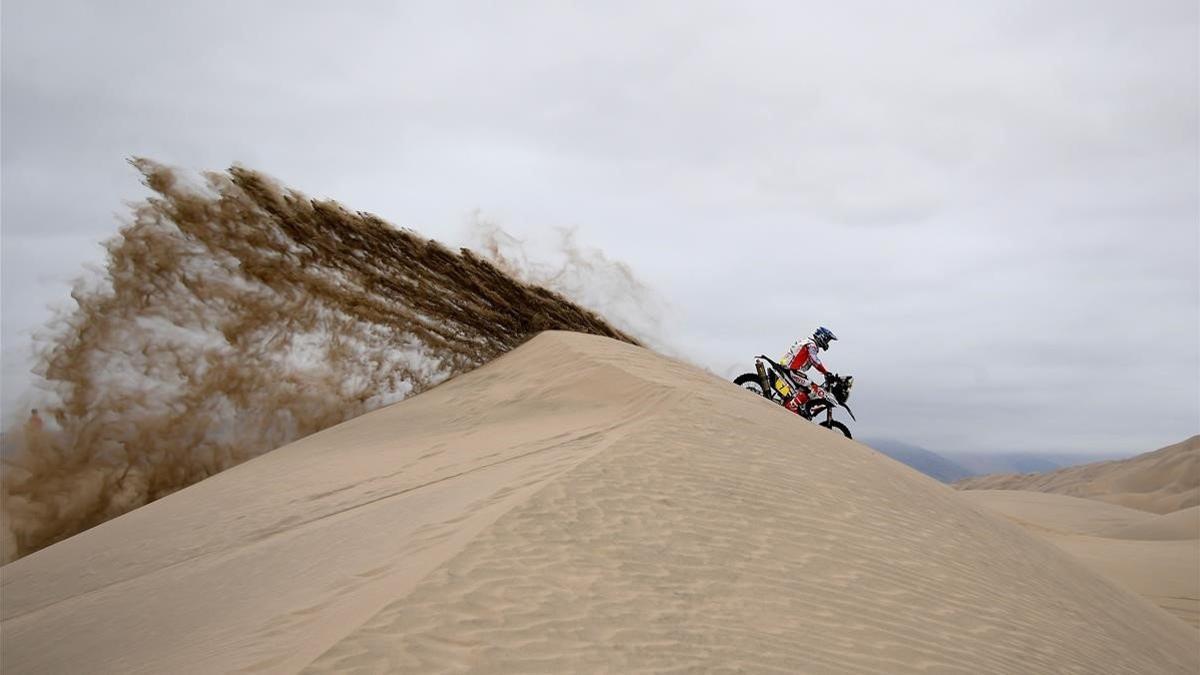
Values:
[(793, 403)]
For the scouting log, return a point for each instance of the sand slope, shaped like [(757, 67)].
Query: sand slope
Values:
[(1162, 481), (1059, 514), (1155, 556), (1183, 524), (577, 505)]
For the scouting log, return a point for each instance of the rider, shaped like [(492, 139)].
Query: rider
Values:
[(801, 357)]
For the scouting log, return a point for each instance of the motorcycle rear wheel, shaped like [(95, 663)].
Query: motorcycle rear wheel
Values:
[(750, 381)]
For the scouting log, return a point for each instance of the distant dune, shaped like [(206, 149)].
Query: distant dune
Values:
[(1162, 481), (577, 505), (1134, 520), (1061, 514), (1156, 556), (1182, 524)]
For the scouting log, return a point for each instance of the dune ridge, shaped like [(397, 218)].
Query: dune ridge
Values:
[(579, 504), (1162, 481)]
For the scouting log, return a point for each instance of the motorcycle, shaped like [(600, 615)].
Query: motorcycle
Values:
[(776, 383)]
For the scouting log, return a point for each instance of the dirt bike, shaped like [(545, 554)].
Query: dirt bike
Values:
[(776, 383)]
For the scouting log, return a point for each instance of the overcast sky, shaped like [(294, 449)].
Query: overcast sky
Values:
[(996, 206)]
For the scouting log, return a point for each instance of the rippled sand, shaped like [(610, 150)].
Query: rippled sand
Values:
[(577, 505)]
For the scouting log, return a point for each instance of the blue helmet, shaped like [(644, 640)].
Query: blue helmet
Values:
[(823, 336)]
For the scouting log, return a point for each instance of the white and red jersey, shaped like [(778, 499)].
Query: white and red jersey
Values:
[(803, 355)]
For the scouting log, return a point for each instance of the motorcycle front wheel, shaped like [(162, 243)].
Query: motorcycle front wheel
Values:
[(837, 426)]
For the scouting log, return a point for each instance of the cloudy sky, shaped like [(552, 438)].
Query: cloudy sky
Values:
[(996, 206)]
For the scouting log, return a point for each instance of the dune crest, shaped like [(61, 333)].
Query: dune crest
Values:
[(578, 504)]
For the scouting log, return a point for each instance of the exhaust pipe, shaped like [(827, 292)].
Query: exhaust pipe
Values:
[(762, 378)]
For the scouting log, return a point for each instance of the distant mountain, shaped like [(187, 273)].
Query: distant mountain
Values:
[(1023, 462), (1162, 481), (1005, 462), (926, 461), (949, 467)]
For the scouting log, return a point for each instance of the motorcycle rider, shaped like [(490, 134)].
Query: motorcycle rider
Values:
[(802, 356)]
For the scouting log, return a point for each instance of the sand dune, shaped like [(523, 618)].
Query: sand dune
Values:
[(1060, 514), (577, 505), (1155, 556), (1166, 573), (1184, 524), (1162, 481)]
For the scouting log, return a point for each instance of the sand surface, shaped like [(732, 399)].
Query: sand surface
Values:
[(1156, 556), (1059, 514), (578, 505), (1183, 524), (1162, 481)]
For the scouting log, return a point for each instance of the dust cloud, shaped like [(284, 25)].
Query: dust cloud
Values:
[(234, 316)]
